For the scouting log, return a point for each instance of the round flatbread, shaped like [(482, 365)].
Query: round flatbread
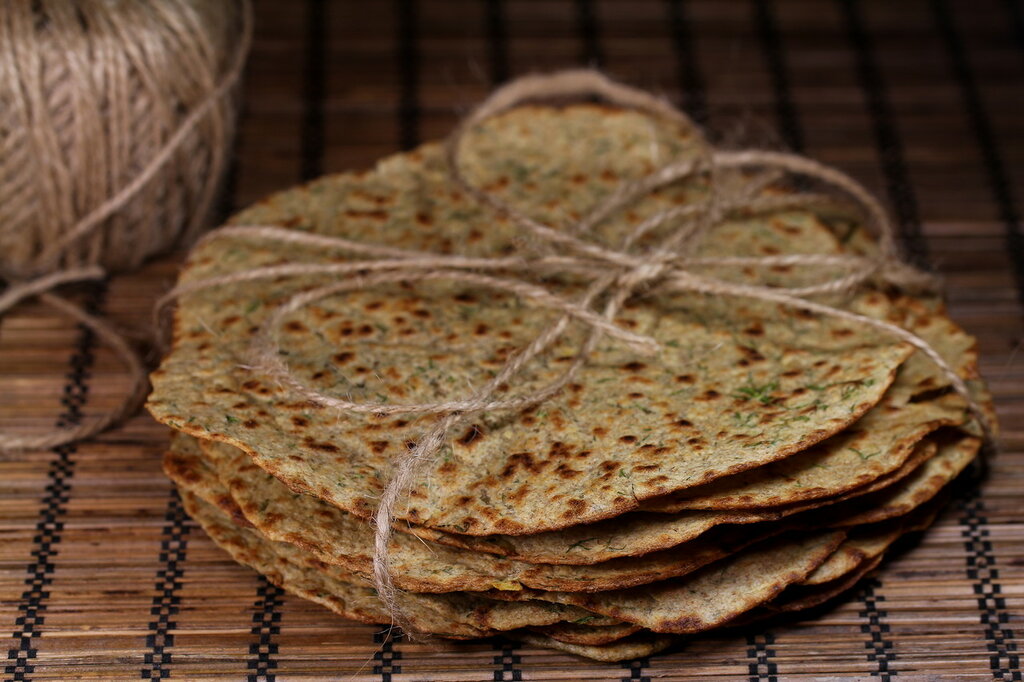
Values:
[(730, 389)]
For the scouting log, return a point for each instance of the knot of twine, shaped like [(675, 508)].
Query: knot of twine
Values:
[(613, 275), (97, 119)]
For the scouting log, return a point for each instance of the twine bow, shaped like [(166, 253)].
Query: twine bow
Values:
[(613, 275)]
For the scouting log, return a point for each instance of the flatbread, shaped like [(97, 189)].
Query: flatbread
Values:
[(184, 463), (325, 526), (918, 402), (361, 604), (713, 596), (806, 597), (629, 429), (637, 533), (340, 539), (637, 646), (876, 445), (861, 546), (352, 597), (953, 457), (337, 538), (658, 495), (584, 633), (873, 540)]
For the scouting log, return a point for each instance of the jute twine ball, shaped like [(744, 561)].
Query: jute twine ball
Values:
[(116, 121), (91, 92)]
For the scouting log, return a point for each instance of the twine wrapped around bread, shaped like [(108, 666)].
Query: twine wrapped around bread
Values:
[(116, 118), (615, 273)]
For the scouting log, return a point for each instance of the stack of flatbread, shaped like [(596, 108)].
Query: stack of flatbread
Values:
[(763, 460)]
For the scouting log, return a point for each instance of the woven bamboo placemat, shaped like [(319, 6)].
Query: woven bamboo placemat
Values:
[(102, 576)]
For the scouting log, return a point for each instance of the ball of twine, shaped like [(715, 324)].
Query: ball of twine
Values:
[(90, 92), (116, 119)]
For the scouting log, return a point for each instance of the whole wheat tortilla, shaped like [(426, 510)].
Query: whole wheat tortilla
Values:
[(927, 316), (586, 634), (360, 603), (810, 592), (861, 546), (337, 539), (867, 543), (570, 461), (806, 597), (352, 597), (918, 402), (346, 599), (953, 456), (585, 544), (924, 450), (325, 526), (907, 493), (184, 463), (711, 597), (639, 645), (418, 565), (638, 533), (876, 445)]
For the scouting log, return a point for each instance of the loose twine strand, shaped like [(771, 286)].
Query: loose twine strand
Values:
[(77, 103), (615, 274)]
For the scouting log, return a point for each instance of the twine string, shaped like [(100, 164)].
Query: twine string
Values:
[(42, 288), (615, 274), (38, 273)]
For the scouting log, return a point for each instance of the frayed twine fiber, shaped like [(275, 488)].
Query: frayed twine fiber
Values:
[(616, 273), (116, 118)]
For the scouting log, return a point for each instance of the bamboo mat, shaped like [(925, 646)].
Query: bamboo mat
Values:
[(102, 576)]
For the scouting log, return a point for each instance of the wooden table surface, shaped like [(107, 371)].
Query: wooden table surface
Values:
[(102, 576)]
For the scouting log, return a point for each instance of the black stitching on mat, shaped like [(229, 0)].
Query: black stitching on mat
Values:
[(761, 667), (32, 606), (173, 543), (497, 40), (688, 76), (880, 649), (981, 559), (406, 12), (636, 670), (508, 661), (265, 624), (982, 571), (586, 21), (887, 138), (314, 89), (771, 46), (386, 655)]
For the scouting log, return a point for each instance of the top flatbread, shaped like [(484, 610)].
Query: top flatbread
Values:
[(630, 428)]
